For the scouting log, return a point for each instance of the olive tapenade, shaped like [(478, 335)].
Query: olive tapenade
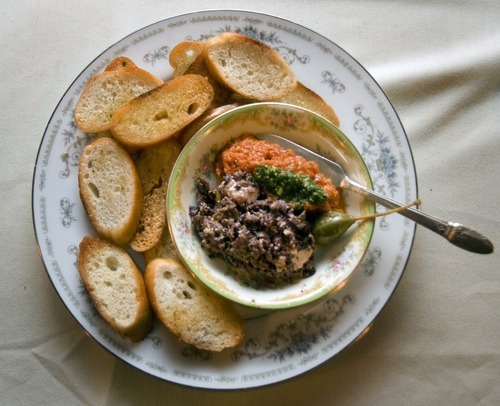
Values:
[(265, 240)]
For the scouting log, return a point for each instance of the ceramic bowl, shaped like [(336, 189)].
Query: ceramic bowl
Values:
[(334, 263)]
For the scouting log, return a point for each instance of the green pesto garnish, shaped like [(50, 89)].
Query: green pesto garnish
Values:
[(296, 189)]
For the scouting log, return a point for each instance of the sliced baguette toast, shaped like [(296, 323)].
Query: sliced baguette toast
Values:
[(221, 93), (160, 113), (106, 91), (302, 96), (154, 166), (110, 190), (248, 67), (187, 58), (116, 287), (189, 310), (183, 55)]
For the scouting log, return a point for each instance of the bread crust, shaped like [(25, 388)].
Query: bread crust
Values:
[(116, 287), (110, 190), (189, 310)]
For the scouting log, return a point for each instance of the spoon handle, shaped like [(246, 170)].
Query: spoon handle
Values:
[(455, 233)]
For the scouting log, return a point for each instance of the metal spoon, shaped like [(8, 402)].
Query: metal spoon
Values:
[(455, 233)]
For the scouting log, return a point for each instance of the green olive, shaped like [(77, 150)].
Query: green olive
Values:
[(330, 226)]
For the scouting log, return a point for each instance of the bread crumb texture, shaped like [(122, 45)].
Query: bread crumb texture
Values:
[(189, 310), (116, 287), (110, 189), (248, 67), (108, 90)]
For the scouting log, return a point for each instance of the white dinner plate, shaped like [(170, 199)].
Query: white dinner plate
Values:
[(278, 345)]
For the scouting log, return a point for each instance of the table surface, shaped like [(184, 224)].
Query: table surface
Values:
[(436, 341)]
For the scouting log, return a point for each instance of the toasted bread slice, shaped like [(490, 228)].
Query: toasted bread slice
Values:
[(221, 93), (116, 287), (189, 310), (120, 62), (154, 165), (248, 67), (106, 91), (302, 96), (183, 55), (160, 113), (110, 190)]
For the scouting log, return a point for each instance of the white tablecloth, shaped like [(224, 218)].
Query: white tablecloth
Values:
[(438, 339)]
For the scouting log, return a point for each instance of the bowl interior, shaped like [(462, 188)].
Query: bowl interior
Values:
[(334, 263)]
